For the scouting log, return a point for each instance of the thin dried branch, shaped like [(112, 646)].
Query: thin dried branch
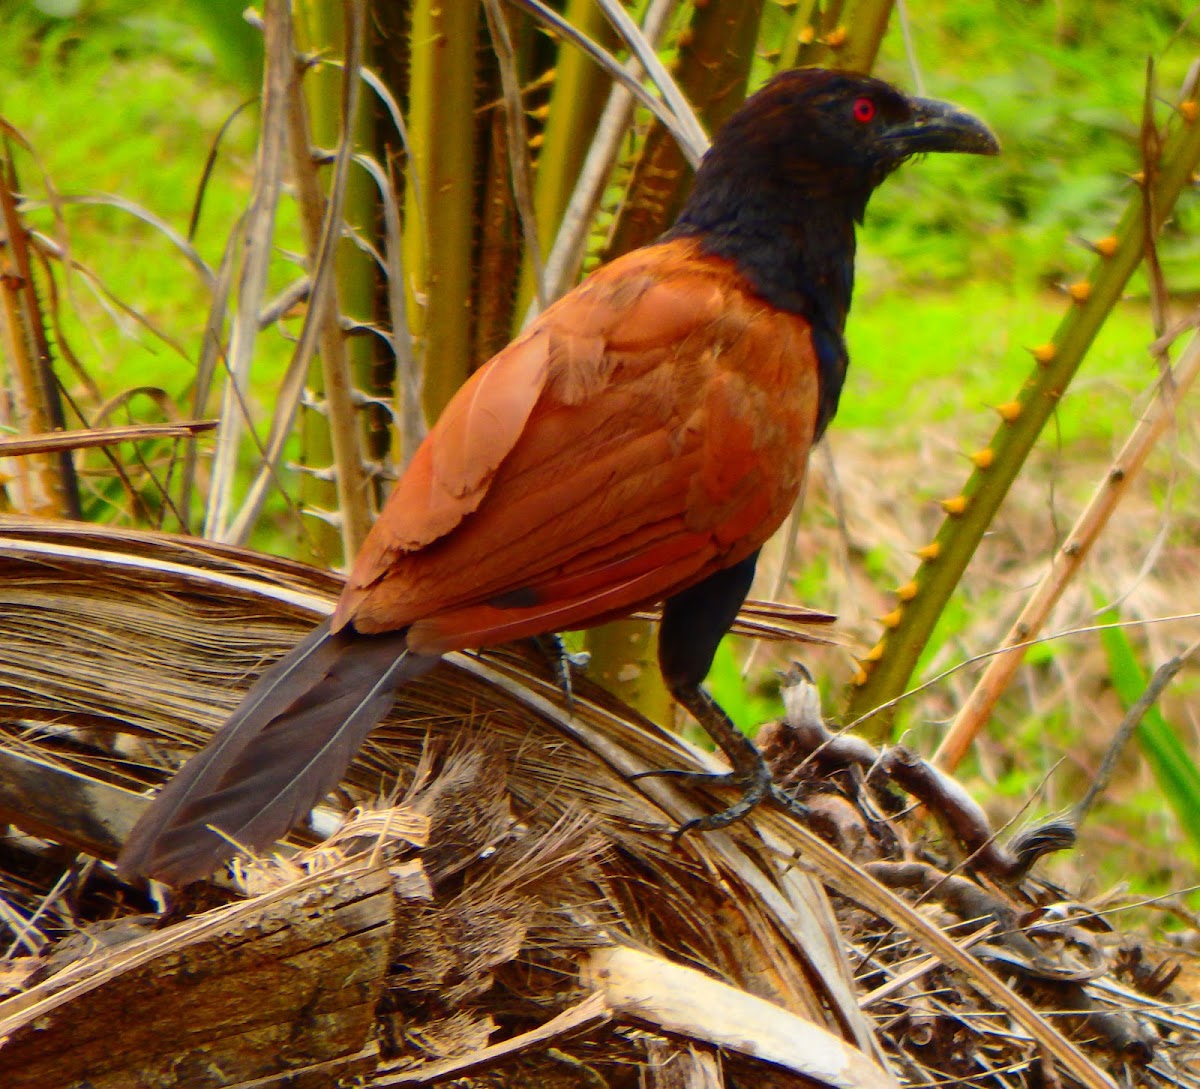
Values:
[(1112, 489), (102, 436), (1150, 141), (693, 139), (684, 126), (54, 312), (47, 249), (210, 163), (292, 387), (259, 228), (212, 352), (144, 215), (566, 255)]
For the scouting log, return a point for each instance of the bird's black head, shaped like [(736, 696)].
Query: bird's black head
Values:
[(788, 177), (813, 134)]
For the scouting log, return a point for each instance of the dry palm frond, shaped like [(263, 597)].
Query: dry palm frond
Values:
[(545, 928), (152, 637)]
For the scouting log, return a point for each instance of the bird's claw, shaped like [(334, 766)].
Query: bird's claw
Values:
[(563, 662), (756, 784)]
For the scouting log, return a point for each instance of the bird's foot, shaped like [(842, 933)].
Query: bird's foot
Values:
[(750, 773), (562, 662)]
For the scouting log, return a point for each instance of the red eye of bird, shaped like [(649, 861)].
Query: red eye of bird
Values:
[(864, 110)]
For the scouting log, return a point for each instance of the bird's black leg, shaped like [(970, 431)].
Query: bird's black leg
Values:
[(562, 661), (693, 625)]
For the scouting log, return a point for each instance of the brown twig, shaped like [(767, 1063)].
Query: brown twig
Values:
[(101, 436), (1112, 489), (1133, 717)]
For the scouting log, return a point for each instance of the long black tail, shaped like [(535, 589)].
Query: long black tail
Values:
[(282, 750)]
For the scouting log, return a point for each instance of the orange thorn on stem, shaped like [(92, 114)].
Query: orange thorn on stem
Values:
[(892, 619)]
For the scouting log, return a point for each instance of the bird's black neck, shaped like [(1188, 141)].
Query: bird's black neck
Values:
[(796, 252)]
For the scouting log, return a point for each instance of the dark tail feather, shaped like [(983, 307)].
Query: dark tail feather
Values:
[(282, 750)]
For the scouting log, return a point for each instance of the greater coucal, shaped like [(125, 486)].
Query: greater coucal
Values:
[(637, 444)]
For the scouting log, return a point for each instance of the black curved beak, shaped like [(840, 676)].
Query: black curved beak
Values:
[(939, 126)]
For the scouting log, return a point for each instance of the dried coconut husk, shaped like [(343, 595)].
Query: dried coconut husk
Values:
[(520, 915)]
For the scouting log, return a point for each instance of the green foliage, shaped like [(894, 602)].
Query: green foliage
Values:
[(144, 134), (237, 46), (124, 100), (960, 349), (1066, 114)]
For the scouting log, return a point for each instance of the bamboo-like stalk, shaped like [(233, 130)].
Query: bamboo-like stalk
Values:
[(313, 123), (566, 255), (887, 670), (340, 421), (45, 484), (577, 99), (441, 169), (840, 34), (672, 109), (405, 379), (713, 68), (499, 247), (514, 138), (335, 433), (973, 714), (797, 33)]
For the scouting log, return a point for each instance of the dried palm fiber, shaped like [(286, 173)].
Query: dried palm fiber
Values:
[(541, 855), (119, 650)]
